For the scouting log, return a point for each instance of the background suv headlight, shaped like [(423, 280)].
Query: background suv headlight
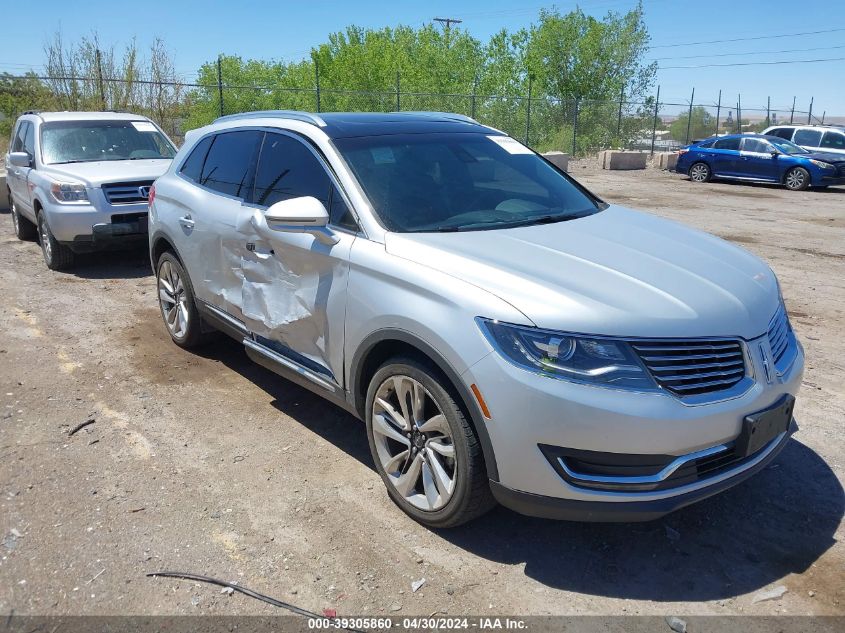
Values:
[(69, 193), (577, 358)]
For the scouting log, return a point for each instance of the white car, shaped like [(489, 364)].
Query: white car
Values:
[(80, 180), (829, 139)]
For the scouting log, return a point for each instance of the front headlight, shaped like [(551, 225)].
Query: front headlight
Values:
[(584, 359), (69, 193), (822, 164)]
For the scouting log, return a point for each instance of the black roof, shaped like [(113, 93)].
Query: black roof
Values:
[(351, 124)]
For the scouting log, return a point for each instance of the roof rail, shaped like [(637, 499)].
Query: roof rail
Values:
[(296, 115), (445, 115), (32, 112)]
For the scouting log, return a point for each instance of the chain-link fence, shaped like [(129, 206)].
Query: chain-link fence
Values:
[(575, 126)]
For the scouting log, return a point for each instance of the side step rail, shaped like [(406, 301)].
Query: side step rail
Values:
[(282, 365)]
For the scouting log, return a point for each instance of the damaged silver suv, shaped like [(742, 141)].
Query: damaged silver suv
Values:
[(504, 334)]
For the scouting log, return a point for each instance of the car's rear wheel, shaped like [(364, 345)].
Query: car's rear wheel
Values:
[(57, 256), (700, 172), (24, 229), (797, 179), (423, 446), (176, 300)]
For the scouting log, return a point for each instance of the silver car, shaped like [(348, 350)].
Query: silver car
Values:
[(80, 180), (504, 334)]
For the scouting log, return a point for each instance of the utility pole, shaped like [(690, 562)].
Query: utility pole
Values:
[(317, 82), (792, 114), (448, 22), (689, 115)]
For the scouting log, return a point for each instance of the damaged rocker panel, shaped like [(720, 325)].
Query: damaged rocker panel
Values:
[(272, 360)]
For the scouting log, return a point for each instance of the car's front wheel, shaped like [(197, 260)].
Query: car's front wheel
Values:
[(24, 229), (797, 179), (700, 172), (57, 256), (425, 450)]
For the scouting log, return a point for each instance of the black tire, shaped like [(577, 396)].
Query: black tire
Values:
[(24, 229), (193, 336), (797, 179), (471, 496), (57, 256), (700, 172)]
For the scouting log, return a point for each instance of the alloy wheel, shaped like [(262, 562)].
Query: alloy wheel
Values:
[(414, 443), (699, 172), (45, 238), (174, 303), (795, 179), (15, 220)]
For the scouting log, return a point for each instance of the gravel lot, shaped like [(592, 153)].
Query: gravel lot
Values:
[(209, 464)]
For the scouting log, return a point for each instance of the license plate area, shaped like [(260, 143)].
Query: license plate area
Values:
[(760, 428)]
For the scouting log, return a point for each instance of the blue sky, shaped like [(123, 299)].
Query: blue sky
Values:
[(198, 31)]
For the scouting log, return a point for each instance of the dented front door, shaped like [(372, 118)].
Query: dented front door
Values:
[(292, 286)]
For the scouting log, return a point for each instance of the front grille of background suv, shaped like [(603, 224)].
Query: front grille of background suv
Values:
[(694, 367), (125, 192)]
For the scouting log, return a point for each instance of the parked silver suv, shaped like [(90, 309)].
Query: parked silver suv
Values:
[(80, 180), (503, 332)]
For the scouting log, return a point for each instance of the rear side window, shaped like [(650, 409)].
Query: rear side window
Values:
[(706, 144), (192, 167), (29, 140), (17, 143), (810, 138), (727, 143), (782, 132), (230, 165), (833, 140), (756, 145)]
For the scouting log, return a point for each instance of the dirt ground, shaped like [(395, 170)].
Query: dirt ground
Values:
[(206, 463)]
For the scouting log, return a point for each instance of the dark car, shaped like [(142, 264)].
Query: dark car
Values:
[(760, 158)]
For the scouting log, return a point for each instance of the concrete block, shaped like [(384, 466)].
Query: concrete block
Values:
[(665, 160), (558, 159), (614, 159)]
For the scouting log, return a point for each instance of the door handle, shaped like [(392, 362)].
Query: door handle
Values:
[(186, 221)]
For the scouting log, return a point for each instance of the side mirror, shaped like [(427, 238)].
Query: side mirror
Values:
[(20, 159), (301, 215), (775, 153)]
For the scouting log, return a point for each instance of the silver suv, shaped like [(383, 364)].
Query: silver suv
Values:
[(80, 180), (504, 334)]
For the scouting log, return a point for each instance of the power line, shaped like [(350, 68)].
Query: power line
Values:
[(791, 50), (774, 63), (747, 39)]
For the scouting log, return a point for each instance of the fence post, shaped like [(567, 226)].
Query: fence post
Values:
[(689, 116), (317, 82), (810, 113), (619, 116), (768, 111), (654, 122), (575, 128), (474, 92), (792, 114), (398, 93), (100, 81), (718, 112), (528, 108), (823, 115), (739, 114), (220, 82)]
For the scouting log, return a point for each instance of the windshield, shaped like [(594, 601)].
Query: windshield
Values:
[(87, 141), (787, 147), (458, 182)]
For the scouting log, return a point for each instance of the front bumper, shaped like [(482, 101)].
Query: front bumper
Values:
[(530, 413), (832, 180), (97, 227)]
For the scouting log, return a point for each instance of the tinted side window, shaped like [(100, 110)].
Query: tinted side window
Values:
[(810, 138), (756, 145), (833, 140), (287, 169), (727, 143), (782, 132), (706, 144), (230, 165), (192, 167), (339, 213)]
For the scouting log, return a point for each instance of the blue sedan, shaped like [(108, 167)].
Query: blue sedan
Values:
[(758, 158)]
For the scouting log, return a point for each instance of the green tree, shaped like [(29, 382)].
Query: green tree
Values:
[(701, 125), (17, 95)]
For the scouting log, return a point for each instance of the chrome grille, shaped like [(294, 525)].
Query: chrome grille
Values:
[(690, 368), (127, 192), (781, 338)]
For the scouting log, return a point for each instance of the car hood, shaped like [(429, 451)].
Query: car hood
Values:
[(97, 173), (618, 272), (825, 156)]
